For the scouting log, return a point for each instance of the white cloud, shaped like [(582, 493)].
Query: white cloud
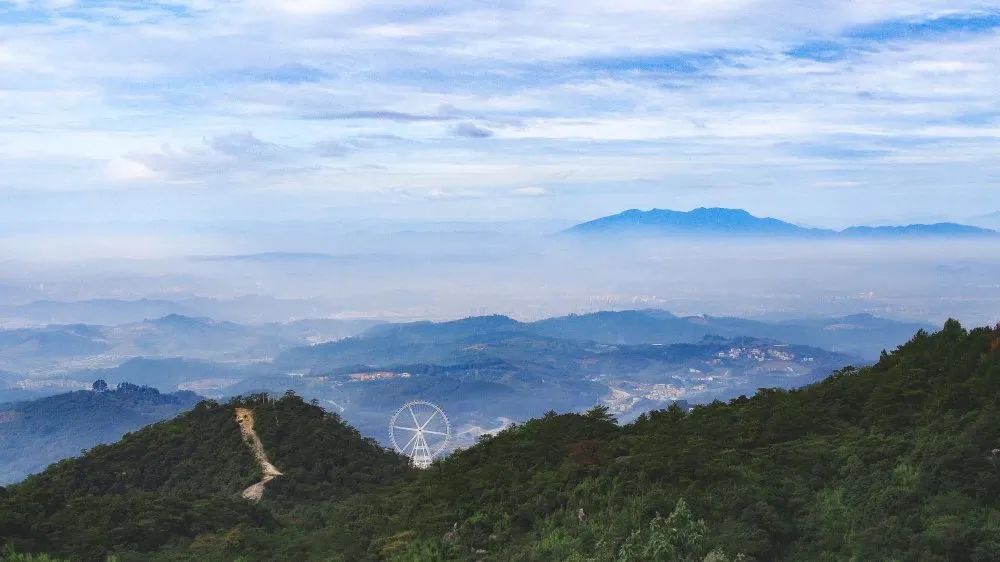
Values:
[(531, 191), (125, 170), (237, 153), (308, 7), (591, 95)]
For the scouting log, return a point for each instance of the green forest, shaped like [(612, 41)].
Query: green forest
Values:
[(896, 461)]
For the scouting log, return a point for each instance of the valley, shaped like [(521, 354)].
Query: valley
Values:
[(480, 369)]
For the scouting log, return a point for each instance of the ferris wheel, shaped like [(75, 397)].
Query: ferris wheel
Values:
[(419, 430)]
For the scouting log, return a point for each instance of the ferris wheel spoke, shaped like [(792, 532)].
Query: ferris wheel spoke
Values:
[(428, 431), (406, 428), (428, 420), (414, 416), (408, 443)]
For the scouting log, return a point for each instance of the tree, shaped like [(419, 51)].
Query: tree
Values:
[(600, 412), (679, 537), (100, 386), (125, 387)]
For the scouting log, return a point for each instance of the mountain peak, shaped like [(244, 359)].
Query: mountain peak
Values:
[(702, 220), (720, 211), (180, 320), (461, 327)]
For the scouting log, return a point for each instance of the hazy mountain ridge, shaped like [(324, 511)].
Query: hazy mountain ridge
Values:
[(207, 378), (936, 229), (54, 341), (93, 311), (738, 222), (864, 335), (51, 348), (34, 434), (244, 309)]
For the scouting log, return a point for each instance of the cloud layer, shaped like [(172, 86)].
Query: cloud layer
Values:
[(803, 111)]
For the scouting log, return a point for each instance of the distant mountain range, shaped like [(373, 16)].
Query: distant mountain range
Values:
[(737, 222), (938, 229), (861, 335)]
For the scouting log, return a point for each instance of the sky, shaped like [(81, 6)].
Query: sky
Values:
[(824, 113)]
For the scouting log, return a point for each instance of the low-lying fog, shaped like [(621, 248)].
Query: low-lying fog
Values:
[(450, 271)]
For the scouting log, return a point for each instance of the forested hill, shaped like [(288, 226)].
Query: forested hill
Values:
[(181, 479), (898, 461)]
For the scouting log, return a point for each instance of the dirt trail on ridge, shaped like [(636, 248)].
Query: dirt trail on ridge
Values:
[(244, 417)]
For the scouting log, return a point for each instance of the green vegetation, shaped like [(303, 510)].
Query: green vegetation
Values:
[(178, 482), (898, 461), (8, 555)]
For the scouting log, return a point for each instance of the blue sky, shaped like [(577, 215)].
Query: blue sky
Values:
[(826, 113)]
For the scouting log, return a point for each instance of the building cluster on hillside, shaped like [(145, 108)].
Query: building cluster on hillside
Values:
[(756, 354), (377, 376), (664, 392)]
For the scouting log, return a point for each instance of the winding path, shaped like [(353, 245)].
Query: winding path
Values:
[(244, 417)]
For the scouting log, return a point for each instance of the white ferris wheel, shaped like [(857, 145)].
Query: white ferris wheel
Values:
[(420, 430)]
